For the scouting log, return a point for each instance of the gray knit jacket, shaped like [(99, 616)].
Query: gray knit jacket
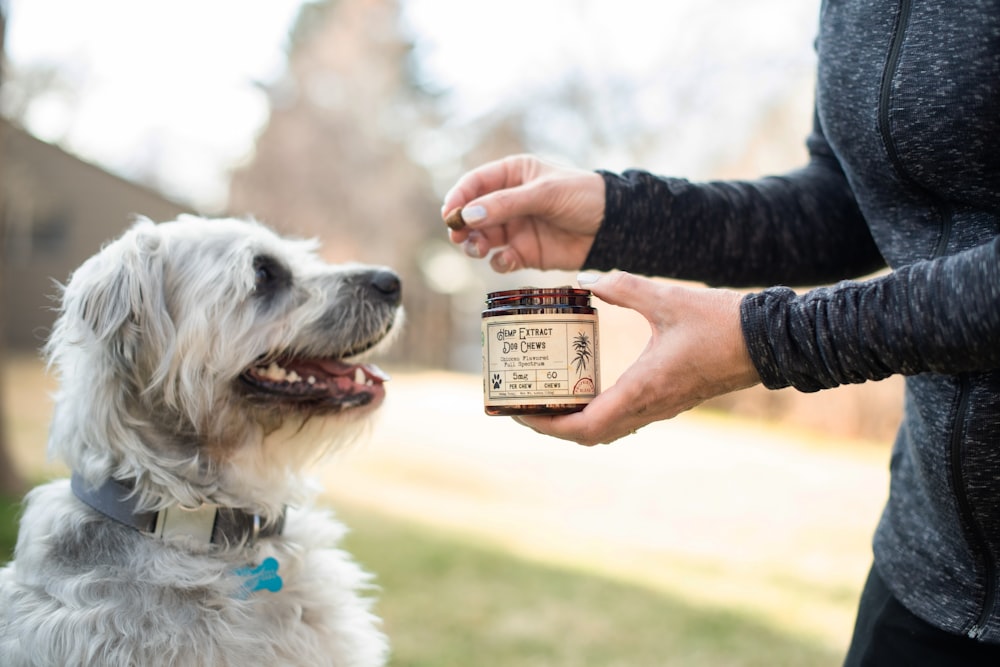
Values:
[(904, 172)]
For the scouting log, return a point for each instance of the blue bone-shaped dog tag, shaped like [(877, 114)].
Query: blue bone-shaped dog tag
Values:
[(264, 577)]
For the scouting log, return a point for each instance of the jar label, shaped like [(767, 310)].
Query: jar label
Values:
[(533, 360)]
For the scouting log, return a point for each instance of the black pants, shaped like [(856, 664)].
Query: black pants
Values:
[(887, 635)]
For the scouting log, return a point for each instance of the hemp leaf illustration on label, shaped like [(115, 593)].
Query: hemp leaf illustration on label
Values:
[(581, 346)]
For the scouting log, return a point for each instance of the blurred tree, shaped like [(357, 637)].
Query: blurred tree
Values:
[(334, 161), (11, 482), (356, 152)]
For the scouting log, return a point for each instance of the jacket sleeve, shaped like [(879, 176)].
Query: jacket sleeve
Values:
[(937, 315), (802, 228)]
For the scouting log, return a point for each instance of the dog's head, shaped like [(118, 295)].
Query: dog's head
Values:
[(194, 356)]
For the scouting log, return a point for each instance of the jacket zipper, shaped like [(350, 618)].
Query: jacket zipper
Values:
[(885, 131), (885, 92), (973, 531)]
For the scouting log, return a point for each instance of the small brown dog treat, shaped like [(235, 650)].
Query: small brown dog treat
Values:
[(454, 220)]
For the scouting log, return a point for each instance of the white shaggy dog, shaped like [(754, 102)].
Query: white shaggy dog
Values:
[(193, 356)]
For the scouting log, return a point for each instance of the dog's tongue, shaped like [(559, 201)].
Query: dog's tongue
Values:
[(349, 382), (338, 381), (319, 382), (340, 369)]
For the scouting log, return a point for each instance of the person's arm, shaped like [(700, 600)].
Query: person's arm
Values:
[(939, 316), (801, 228)]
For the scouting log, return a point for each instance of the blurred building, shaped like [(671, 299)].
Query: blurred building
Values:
[(58, 210)]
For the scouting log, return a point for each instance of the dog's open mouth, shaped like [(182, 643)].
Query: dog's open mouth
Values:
[(320, 382)]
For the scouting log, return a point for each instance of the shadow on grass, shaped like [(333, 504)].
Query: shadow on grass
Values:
[(449, 603)]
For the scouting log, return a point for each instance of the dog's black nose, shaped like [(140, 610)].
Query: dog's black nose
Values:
[(387, 284)]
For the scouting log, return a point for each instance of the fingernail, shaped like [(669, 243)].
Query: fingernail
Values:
[(473, 214), (471, 248), (501, 263), (587, 278)]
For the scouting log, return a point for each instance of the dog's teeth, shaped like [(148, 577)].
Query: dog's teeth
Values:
[(311, 379), (273, 372), (359, 376), (293, 377)]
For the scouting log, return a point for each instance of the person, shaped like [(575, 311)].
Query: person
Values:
[(903, 175)]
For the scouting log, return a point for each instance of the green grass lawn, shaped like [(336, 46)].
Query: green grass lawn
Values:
[(9, 511), (450, 603), (447, 602)]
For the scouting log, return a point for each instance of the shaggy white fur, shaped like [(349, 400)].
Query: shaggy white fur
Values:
[(201, 362)]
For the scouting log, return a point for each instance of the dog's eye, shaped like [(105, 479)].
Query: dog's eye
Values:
[(268, 274), (262, 275)]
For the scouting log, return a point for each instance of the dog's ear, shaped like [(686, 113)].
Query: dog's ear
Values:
[(114, 293)]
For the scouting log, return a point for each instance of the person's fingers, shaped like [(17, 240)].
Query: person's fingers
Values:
[(610, 416), (475, 244), (497, 175), (502, 206), (623, 289), (506, 260)]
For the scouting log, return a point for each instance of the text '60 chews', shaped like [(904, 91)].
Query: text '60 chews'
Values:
[(540, 351)]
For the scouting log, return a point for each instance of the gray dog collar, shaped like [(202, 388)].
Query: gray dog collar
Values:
[(210, 524)]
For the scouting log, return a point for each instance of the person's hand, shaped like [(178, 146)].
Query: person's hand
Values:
[(696, 351), (532, 213)]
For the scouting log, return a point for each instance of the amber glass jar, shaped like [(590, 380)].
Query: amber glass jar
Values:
[(540, 351)]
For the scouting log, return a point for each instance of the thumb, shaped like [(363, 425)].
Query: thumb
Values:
[(621, 289)]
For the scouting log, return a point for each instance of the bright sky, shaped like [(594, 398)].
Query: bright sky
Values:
[(162, 80), (169, 83)]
